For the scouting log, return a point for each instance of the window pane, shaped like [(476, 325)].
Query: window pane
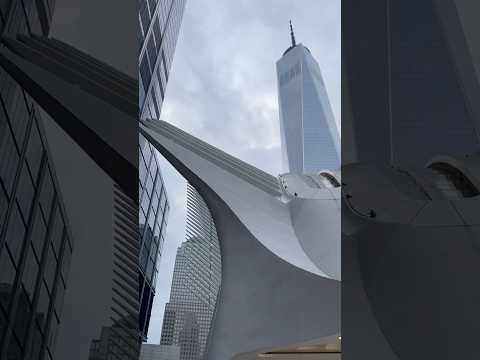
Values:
[(8, 158), (25, 193), (59, 300), (38, 236), (19, 114), (143, 258), (34, 152), (3, 206), (42, 307), (7, 277), (22, 317), (50, 269), (15, 234), (36, 344), (46, 195), (29, 276), (57, 232), (67, 256)]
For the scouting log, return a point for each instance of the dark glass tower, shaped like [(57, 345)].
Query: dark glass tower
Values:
[(35, 239), (159, 24)]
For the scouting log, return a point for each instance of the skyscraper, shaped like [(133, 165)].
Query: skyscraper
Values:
[(159, 352), (35, 239), (309, 133), (159, 24), (195, 284)]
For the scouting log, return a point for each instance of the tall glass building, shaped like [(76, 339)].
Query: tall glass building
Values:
[(35, 239), (159, 24), (196, 283), (309, 133)]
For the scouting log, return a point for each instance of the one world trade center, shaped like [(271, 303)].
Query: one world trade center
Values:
[(310, 137)]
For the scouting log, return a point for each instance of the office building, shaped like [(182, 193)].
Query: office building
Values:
[(197, 273), (159, 24), (309, 134), (159, 352), (35, 237), (186, 325), (115, 342), (195, 284)]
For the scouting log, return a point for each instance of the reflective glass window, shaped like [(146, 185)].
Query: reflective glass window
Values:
[(18, 112), (25, 193), (38, 236), (67, 257), (50, 269), (3, 206), (15, 234), (30, 273), (46, 195), (8, 157), (34, 152), (145, 72), (152, 54), (57, 232), (42, 307), (7, 278)]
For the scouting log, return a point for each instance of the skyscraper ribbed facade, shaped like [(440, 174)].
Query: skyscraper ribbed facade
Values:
[(309, 133), (35, 239), (159, 24), (195, 284)]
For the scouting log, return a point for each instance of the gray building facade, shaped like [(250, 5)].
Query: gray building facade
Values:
[(159, 352), (159, 24)]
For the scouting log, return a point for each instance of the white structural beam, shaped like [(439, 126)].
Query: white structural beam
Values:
[(273, 292)]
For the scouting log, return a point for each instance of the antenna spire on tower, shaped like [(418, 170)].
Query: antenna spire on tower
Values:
[(292, 35)]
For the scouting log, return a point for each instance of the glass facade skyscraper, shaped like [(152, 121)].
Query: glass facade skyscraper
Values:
[(35, 240), (309, 133), (159, 24), (196, 283), (153, 215)]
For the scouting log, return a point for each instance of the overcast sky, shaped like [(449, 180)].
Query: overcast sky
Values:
[(222, 89)]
